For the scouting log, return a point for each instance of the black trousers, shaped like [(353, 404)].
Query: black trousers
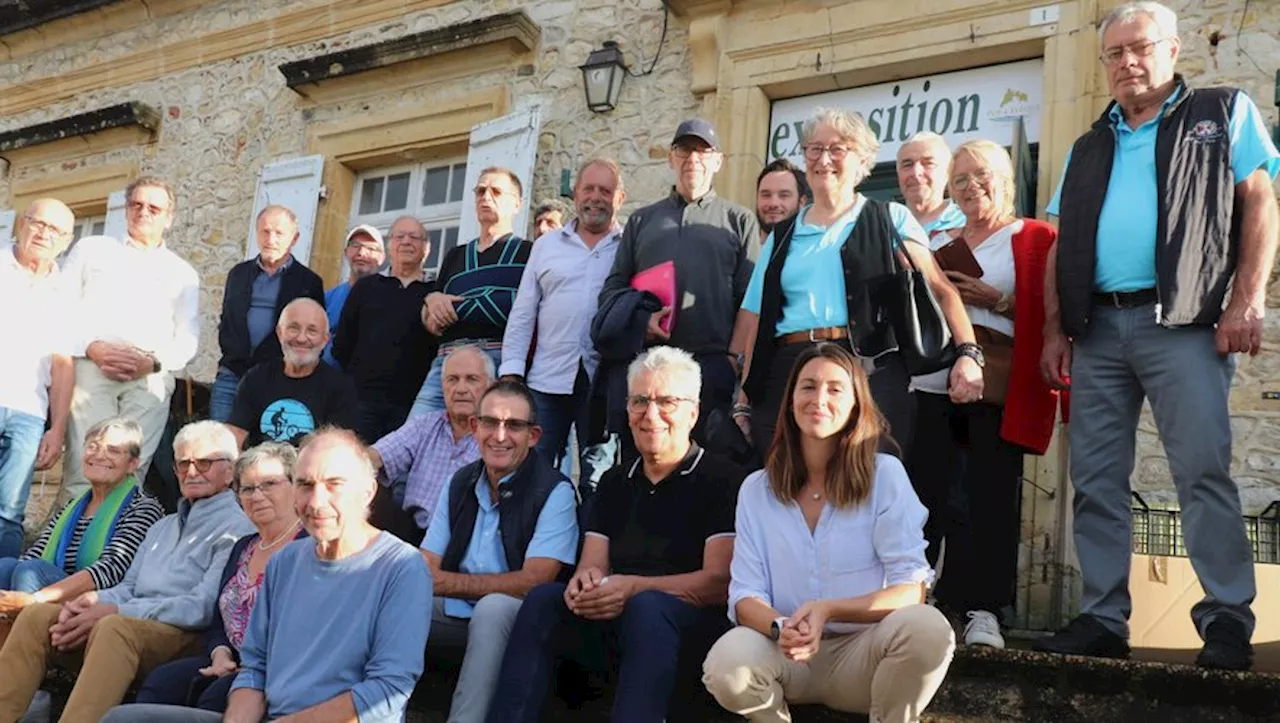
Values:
[(958, 449), (888, 389)]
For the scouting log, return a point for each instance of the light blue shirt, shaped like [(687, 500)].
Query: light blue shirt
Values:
[(263, 294), (1126, 244), (813, 274), (334, 299), (558, 295), (321, 628), (851, 552), (952, 217), (555, 535)]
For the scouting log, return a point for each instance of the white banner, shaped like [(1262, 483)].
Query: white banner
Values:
[(960, 106)]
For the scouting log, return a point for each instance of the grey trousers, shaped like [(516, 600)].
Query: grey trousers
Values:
[(1125, 357), (491, 620), (155, 713)]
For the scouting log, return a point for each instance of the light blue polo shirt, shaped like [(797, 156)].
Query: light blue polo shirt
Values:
[(813, 275), (952, 217), (554, 536), (1126, 251)]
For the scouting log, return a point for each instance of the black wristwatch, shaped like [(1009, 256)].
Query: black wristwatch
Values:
[(155, 362), (974, 352), (775, 628)]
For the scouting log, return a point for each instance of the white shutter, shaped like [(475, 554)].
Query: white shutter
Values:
[(7, 217), (116, 226), (294, 184), (511, 142)]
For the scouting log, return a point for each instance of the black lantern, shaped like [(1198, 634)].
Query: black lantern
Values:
[(602, 76)]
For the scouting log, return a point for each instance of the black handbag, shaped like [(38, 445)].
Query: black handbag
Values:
[(923, 336)]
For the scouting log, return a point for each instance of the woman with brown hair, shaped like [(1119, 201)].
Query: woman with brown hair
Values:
[(828, 569)]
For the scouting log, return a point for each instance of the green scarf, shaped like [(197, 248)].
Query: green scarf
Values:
[(100, 531)]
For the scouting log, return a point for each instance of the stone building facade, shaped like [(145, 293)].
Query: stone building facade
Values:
[(235, 100)]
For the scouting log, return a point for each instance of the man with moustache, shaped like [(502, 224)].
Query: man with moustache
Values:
[(365, 254), (285, 400), (380, 341), (257, 291), (923, 163), (780, 192), (548, 216), (471, 299), (558, 296), (506, 523), (40, 312), (418, 459)]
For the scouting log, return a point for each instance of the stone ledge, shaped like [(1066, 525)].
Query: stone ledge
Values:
[(123, 115)]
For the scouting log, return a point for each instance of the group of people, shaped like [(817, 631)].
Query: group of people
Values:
[(555, 439)]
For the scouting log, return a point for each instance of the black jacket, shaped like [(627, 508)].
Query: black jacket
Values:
[(233, 326), (617, 331)]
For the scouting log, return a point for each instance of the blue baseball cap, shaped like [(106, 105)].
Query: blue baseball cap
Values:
[(697, 128)]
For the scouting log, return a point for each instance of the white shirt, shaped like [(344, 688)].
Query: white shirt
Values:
[(558, 296), (37, 322), (147, 298), (851, 552), (995, 256)]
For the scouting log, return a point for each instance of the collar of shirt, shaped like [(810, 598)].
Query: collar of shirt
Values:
[(1117, 115), (11, 260), (701, 201), (482, 488), (686, 466), (288, 261), (569, 232)]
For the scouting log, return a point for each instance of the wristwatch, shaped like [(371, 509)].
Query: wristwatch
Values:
[(775, 628), (1002, 306), (974, 352), (155, 362)]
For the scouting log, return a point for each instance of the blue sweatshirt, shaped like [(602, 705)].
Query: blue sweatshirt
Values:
[(322, 628)]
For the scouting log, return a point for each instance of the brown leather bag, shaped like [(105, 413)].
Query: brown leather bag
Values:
[(997, 348)]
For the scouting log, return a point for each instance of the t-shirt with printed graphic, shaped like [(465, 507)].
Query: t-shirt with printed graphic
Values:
[(274, 407)]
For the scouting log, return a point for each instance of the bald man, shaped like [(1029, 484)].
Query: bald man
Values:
[(38, 338), (286, 399)]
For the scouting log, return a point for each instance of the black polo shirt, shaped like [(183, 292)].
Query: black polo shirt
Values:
[(661, 529)]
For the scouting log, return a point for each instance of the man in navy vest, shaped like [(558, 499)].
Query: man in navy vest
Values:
[(506, 523), (1165, 204)]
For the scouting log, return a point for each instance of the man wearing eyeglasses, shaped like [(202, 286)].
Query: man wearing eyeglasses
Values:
[(157, 613), (506, 523), (365, 254), (40, 310), (707, 239), (140, 324), (380, 341), (652, 581), (471, 299), (1167, 215), (284, 400)]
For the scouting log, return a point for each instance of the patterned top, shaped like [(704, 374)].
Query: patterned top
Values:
[(116, 557), (424, 454), (237, 598)]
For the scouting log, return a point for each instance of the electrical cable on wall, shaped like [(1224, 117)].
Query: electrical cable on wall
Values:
[(1240, 41), (666, 16)]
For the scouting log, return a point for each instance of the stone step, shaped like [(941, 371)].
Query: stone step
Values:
[(993, 686)]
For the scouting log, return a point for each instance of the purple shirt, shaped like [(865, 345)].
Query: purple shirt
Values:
[(424, 454)]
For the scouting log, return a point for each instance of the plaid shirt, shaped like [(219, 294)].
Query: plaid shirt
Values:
[(423, 453)]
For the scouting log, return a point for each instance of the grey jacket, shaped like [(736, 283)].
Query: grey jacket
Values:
[(175, 574)]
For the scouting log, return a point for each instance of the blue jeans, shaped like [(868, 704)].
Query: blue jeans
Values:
[(28, 575), (20, 435), (431, 396), (223, 394), (646, 640), (557, 414)]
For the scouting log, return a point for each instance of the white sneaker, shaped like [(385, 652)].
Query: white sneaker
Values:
[(983, 629)]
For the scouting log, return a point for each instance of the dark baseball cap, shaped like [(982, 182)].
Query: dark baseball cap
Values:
[(697, 128)]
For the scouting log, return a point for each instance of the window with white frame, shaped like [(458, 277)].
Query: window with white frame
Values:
[(89, 226), (430, 192)]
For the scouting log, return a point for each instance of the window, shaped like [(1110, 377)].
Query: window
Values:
[(89, 226), (430, 192)]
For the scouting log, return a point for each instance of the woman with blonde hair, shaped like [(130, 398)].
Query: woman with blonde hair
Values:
[(828, 572), (981, 444)]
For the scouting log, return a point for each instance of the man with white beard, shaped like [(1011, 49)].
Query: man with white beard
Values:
[(283, 401)]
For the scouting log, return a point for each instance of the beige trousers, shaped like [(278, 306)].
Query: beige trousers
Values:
[(889, 671), (145, 401), (119, 650)]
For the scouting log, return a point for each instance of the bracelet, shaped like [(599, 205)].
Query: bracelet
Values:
[(741, 410)]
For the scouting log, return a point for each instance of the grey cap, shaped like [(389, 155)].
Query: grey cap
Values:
[(697, 128)]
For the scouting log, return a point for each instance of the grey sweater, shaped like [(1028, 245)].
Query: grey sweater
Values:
[(175, 574)]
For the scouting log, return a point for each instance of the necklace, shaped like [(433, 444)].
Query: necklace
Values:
[(817, 495), (276, 541)]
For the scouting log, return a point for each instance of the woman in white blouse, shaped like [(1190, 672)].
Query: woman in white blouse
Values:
[(828, 570)]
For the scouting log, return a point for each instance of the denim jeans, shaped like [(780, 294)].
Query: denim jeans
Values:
[(223, 394), (431, 396), (557, 415), (20, 435), (28, 575)]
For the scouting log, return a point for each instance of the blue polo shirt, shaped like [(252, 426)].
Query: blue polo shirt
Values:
[(1126, 250), (952, 217), (554, 536), (263, 294), (813, 275)]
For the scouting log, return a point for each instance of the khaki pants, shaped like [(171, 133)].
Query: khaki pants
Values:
[(119, 650), (889, 671), (145, 401)]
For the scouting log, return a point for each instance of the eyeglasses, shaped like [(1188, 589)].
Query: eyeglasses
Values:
[(683, 152), (265, 487), (491, 424), (961, 182), (639, 404), (139, 207), (814, 151), (44, 227), (202, 465), (1140, 49), (111, 450), (482, 191)]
